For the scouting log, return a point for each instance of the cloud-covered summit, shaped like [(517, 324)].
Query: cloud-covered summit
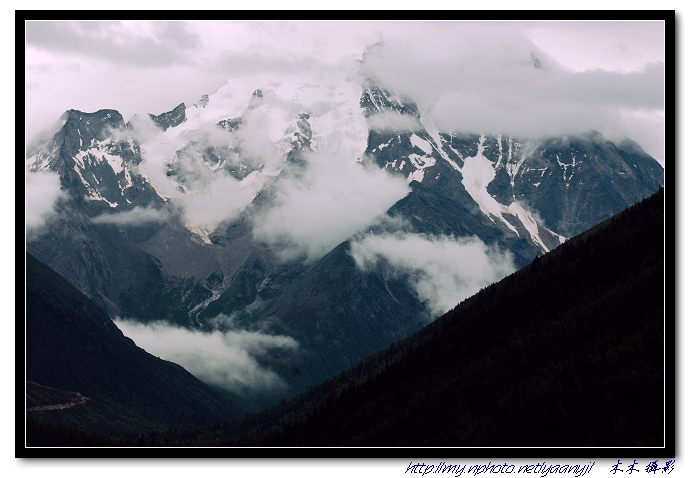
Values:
[(487, 81), (458, 70)]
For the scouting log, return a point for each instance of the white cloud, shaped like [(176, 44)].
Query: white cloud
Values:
[(255, 136), (205, 192), (205, 207), (42, 192), (389, 121), (485, 81), (588, 45), (442, 270), (335, 198), (227, 359), (138, 215), (142, 129), (539, 104)]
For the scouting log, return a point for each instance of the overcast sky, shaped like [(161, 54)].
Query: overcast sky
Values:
[(596, 75)]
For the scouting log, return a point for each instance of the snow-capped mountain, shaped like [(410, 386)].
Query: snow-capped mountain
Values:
[(94, 164), (570, 182), (186, 216)]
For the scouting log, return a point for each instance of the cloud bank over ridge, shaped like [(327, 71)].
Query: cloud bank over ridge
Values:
[(41, 194), (443, 270), (137, 215), (227, 359), (335, 198)]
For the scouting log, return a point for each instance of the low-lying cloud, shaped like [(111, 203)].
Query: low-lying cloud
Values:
[(137, 215), (227, 359), (334, 199), (443, 270), (42, 192)]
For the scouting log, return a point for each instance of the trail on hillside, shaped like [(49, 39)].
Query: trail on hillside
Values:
[(76, 398)]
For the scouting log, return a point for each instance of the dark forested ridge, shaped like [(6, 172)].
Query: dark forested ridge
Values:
[(83, 374), (568, 351)]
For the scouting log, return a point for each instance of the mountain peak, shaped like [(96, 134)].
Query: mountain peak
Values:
[(171, 118), (93, 123)]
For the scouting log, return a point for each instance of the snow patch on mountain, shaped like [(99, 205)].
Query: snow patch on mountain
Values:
[(420, 143), (40, 161), (384, 145), (512, 168), (565, 165), (98, 152), (421, 162), (417, 175), (529, 222), (477, 172), (431, 128), (93, 194)]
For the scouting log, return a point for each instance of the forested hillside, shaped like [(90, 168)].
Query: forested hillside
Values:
[(566, 352)]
